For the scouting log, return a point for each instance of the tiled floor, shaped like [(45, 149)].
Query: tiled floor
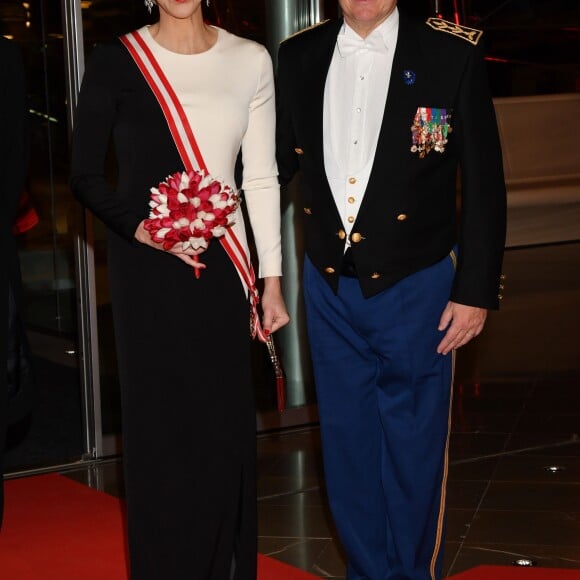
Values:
[(516, 412)]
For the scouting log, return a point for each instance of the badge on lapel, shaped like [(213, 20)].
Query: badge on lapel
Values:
[(409, 77), (430, 130)]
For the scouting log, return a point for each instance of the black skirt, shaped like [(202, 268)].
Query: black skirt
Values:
[(188, 414)]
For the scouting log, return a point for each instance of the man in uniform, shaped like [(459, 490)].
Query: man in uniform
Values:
[(13, 171), (380, 114)]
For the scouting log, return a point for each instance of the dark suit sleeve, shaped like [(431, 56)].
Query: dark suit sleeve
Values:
[(285, 138), (13, 129), (483, 195), (94, 121)]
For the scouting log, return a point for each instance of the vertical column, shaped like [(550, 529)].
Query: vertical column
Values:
[(285, 17), (83, 251)]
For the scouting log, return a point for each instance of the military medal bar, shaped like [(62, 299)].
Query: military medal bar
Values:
[(430, 130)]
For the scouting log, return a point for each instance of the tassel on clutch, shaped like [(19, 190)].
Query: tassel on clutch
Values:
[(278, 373)]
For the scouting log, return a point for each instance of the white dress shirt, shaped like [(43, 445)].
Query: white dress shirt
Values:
[(354, 102)]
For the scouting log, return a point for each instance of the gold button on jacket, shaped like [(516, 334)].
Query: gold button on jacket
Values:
[(341, 234), (356, 237), (299, 151), (402, 217), (329, 270), (375, 275), (307, 211)]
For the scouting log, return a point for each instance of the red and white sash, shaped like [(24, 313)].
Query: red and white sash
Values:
[(192, 160)]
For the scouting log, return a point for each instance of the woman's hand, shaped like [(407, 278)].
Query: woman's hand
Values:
[(187, 256), (273, 307)]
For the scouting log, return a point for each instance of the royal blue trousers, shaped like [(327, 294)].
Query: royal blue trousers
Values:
[(384, 397)]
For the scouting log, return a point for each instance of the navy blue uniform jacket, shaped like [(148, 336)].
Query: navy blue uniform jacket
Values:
[(411, 215)]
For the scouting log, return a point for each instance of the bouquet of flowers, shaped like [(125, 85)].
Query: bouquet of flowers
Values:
[(190, 208)]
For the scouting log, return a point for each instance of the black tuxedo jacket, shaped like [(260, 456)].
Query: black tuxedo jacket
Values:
[(408, 219)]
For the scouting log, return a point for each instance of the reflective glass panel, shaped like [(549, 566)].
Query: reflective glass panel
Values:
[(53, 432)]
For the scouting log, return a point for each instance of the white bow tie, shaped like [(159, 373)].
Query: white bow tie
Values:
[(348, 45)]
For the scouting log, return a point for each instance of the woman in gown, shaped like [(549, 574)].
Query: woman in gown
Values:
[(183, 343)]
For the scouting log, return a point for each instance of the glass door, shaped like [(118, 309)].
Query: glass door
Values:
[(54, 432)]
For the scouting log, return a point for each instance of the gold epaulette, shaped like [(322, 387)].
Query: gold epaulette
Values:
[(304, 30), (472, 35)]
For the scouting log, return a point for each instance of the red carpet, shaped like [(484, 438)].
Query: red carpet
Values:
[(515, 573), (58, 529)]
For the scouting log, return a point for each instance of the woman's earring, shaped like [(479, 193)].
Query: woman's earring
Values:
[(207, 3), (149, 5)]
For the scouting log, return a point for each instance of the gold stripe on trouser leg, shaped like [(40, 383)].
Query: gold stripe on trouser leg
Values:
[(444, 480), (453, 258)]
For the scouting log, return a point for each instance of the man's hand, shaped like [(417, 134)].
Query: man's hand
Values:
[(466, 323)]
